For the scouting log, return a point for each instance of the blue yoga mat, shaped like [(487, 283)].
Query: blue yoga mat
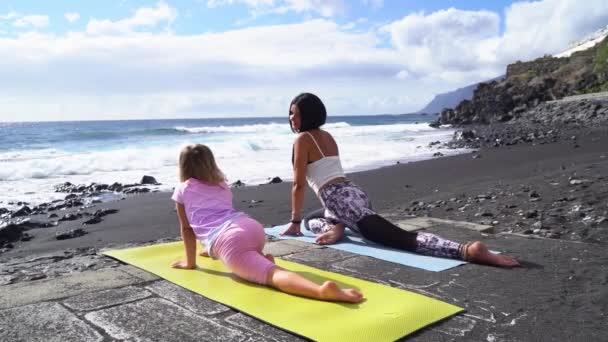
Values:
[(354, 244)]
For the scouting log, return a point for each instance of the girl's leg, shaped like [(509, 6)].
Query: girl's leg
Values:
[(240, 248), (204, 252), (293, 283)]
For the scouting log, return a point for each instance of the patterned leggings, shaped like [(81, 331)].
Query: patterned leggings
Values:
[(347, 203)]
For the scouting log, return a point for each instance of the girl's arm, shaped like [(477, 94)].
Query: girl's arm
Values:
[(300, 155), (189, 240)]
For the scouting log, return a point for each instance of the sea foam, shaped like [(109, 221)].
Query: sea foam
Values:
[(251, 153)]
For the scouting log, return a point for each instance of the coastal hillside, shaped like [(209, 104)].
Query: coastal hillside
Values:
[(528, 84), (452, 98), (585, 43)]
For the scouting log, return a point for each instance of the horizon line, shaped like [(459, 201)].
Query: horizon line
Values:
[(201, 118)]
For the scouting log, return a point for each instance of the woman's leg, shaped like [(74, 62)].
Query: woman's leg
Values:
[(478, 253), (380, 230), (344, 204), (347, 203), (240, 248)]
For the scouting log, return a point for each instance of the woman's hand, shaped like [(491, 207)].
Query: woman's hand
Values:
[(293, 229), (183, 265)]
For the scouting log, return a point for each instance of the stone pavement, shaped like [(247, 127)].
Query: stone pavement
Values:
[(123, 303)]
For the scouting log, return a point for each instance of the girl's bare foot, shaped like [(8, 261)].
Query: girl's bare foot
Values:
[(477, 252), (269, 257), (204, 253), (331, 291)]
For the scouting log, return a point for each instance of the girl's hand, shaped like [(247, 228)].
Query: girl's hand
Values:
[(183, 265), (293, 229)]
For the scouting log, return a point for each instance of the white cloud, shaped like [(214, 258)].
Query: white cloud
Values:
[(36, 21), (326, 8), (250, 3), (144, 75), (143, 17), (455, 44), (72, 16), (546, 27), (116, 69), (9, 15), (446, 39)]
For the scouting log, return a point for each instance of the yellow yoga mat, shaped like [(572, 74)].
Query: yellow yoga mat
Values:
[(386, 314)]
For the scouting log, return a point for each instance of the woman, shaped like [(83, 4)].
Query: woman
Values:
[(316, 160)]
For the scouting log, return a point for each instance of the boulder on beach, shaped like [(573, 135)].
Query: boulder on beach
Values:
[(70, 234), (275, 180), (149, 180), (237, 184)]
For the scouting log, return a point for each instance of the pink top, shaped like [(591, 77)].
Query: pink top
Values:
[(208, 208)]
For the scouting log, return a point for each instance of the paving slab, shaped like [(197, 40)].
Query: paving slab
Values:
[(187, 299), (44, 322), (101, 299), (158, 319), (139, 273), (319, 256), (286, 247), (406, 224), (268, 332), (429, 222), (67, 286), (531, 303), (560, 281)]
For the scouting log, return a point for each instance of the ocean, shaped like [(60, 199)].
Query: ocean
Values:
[(35, 156)]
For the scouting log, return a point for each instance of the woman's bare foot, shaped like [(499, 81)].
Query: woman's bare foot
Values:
[(331, 291), (478, 253), (204, 253), (269, 257), (332, 236)]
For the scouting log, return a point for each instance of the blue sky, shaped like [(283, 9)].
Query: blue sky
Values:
[(85, 60), (198, 17)]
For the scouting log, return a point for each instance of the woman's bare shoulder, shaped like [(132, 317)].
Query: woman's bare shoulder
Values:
[(301, 138), (327, 135)]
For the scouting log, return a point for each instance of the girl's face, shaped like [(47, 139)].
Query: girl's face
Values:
[(295, 118)]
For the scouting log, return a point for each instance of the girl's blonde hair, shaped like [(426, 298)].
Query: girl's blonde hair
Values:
[(197, 161)]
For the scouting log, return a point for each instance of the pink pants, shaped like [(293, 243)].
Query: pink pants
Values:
[(240, 248)]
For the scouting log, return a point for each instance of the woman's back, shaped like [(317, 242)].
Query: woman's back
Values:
[(324, 166), (320, 144)]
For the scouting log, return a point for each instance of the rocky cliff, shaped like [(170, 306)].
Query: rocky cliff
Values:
[(453, 98), (527, 84)]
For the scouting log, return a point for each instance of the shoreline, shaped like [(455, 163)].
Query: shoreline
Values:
[(489, 186), (83, 157), (561, 277)]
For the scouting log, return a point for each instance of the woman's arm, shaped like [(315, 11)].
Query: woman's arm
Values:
[(300, 162), (298, 190), (189, 240)]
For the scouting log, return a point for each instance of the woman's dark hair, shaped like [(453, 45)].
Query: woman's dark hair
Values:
[(312, 111)]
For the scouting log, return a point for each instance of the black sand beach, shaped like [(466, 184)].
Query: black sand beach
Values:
[(502, 186), (547, 203)]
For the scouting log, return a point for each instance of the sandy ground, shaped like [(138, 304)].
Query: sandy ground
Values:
[(560, 293)]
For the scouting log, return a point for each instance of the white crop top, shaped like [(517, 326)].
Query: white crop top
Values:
[(320, 172)]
